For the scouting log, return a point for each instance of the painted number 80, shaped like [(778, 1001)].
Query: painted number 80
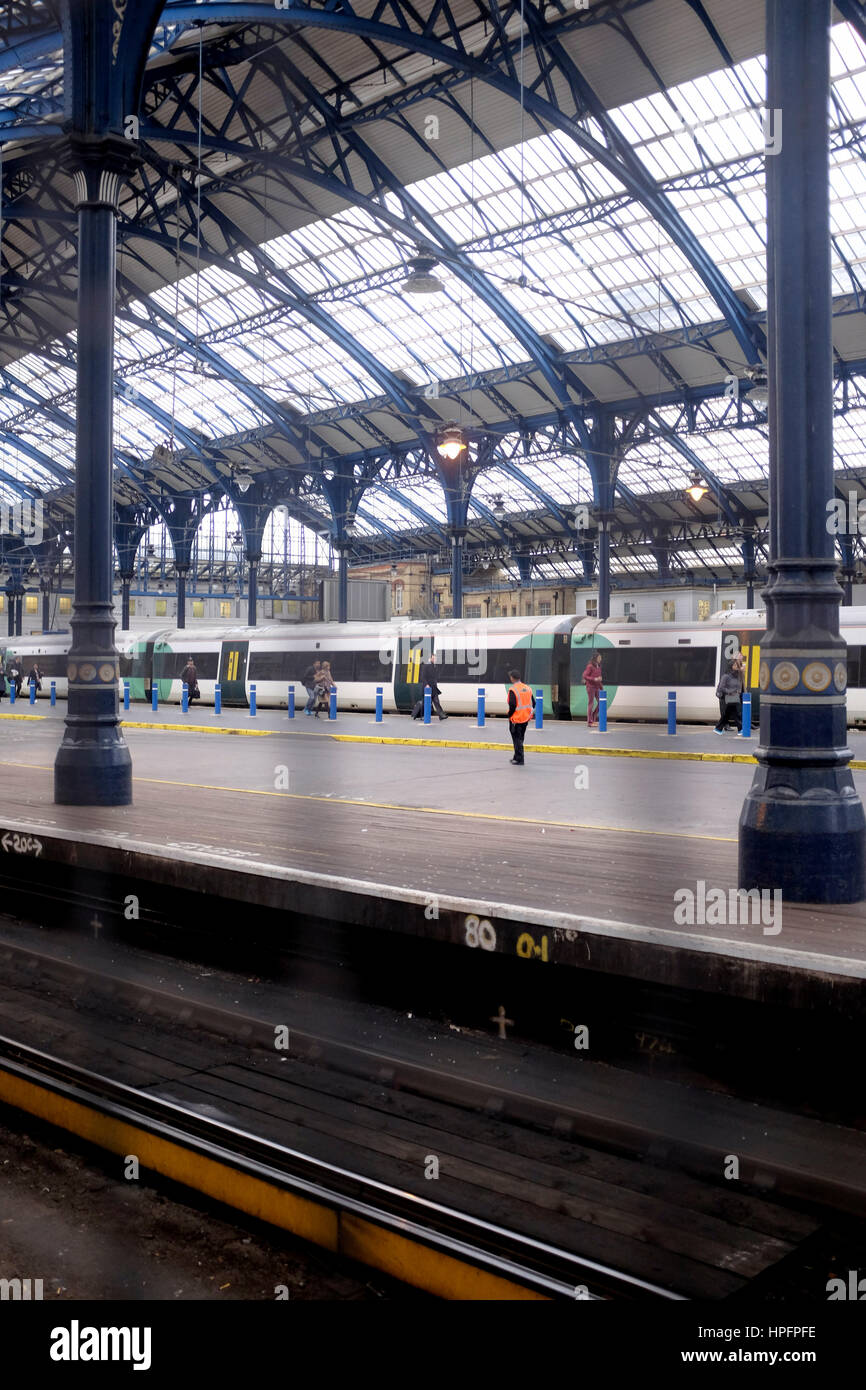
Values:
[(480, 933)]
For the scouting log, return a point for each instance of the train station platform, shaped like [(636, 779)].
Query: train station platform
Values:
[(608, 864)]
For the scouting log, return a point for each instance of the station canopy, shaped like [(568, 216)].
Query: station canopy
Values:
[(586, 185)]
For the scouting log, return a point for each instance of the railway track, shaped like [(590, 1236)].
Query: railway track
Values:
[(212, 1109)]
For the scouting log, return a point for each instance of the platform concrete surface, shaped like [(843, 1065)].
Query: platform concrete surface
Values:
[(593, 849)]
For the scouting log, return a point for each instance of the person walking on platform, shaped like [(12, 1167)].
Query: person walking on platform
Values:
[(593, 680), (2, 683), (428, 677), (309, 679), (322, 689), (34, 677), (519, 714), (728, 695), (738, 668), (15, 675), (189, 677)]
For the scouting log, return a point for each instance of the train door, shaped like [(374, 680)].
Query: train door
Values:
[(414, 651), (747, 641), (560, 692), (234, 659)]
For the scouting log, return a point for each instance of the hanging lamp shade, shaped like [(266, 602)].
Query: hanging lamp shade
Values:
[(420, 279)]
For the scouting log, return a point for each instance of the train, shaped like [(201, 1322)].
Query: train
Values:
[(641, 662)]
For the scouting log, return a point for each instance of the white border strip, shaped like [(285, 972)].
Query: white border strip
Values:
[(763, 951)]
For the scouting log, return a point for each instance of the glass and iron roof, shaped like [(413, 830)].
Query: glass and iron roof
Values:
[(300, 337)]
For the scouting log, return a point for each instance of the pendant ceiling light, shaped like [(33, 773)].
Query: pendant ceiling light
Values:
[(420, 280)]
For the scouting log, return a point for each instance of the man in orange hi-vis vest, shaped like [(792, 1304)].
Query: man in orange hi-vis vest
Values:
[(520, 704)]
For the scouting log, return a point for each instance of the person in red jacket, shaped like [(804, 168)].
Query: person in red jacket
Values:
[(593, 680)]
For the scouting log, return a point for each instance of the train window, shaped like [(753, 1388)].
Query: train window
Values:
[(855, 664), (659, 666), (169, 665), (50, 665), (342, 665), (270, 666), (370, 667)]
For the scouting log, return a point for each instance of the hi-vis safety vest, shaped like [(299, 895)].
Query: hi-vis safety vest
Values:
[(523, 712)]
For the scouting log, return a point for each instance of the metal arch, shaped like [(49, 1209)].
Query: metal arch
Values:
[(636, 180), (429, 521), (508, 466), (25, 489), (37, 456), (433, 233), (730, 505), (292, 297)]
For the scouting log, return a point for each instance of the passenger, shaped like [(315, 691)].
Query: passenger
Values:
[(738, 668), (16, 676), (428, 677), (189, 677), (2, 683), (593, 680), (308, 680), (34, 676), (519, 714), (322, 690), (728, 694)]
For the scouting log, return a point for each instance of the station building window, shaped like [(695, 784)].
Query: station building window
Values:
[(398, 598), (161, 607), (131, 606), (703, 609), (198, 608), (225, 608), (728, 604), (669, 610), (278, 605), (629, 609), (66, 604), (544, 608), (592, 607), (472, 610), (2, 604), (514, 610), (31, 603)]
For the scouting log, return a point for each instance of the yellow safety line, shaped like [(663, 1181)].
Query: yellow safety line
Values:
[(571, 750), (340, 1232), (200, 729), (394, 806), (10, 715)]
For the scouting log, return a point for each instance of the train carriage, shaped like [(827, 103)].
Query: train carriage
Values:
[(640, 662)]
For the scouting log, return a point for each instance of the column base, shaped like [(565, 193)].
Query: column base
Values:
[(811, 845), (93, 774)]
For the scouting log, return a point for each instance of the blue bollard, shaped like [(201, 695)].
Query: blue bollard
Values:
[(54, 694), (672, 711), (11, 690), (602, 711), (379, 699), (154, 697), (428, 703), (184, 698), (252, 701), (125, 694), (747, 714), (291, 702), (332, 711), (481, 707), (33, 692), (217, 699), (539, 709)]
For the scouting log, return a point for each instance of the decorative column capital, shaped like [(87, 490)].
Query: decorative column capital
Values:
[(98, 166)]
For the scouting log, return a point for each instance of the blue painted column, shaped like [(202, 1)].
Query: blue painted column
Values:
[(10, 608), (802, 827), (126, 578), (342, 584), (747, 550), (93, 765), (182, 572), (253, 558), (602, 468)]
